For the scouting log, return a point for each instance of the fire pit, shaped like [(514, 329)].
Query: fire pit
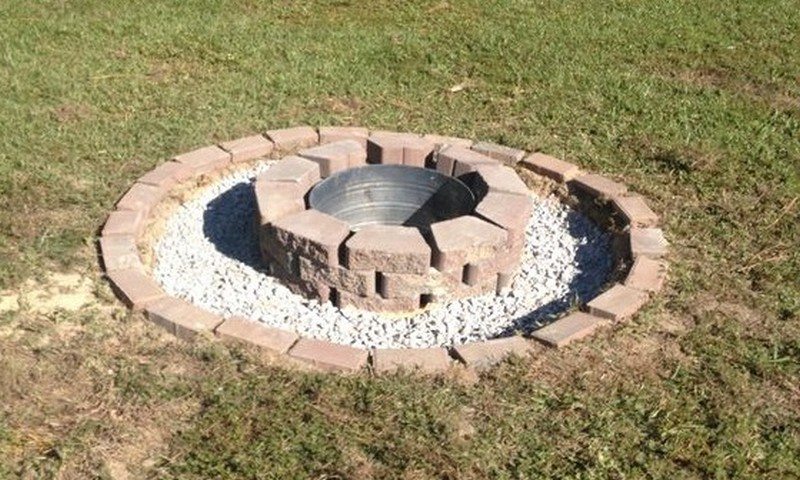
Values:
[(412, 227)]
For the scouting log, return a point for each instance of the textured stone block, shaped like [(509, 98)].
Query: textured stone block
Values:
[(335, 134), (598, 185), (388, 248), (647, 274), (439, 142), (456, 161), (480, 355), (312, 234), (120, 253), (275, 200), (287, 140), (403, 285), (496, 179), (376, 303), (464, 239), (617, 303), (124, 222), (292, 169), (141, 197), (274, 340), (508, 155), (426, 360), (649, 242), (204, 160), (248, 148), (359, 282), (399, 148), (167, 175), (551, 167), (181, 318), (635, 211), (329, 356), (566, 330), (336, 156), (509, 211), (134, 288)]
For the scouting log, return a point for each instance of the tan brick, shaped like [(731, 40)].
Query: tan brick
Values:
[(337, 156), (359, 282), (635, 211), (204, 160), (167, 175), (480, 355), (288, 140), (425, 360), (496, 179), (294, 169), (376, 303), (598, 185), (403, 285), (568, 329), (511, 212), (456, 161), (647, 274), (248, 148), (312, 234), (397, 149), (275, 200), (239, 329), (388, 248), (134, 288), (508, 155), (120, 253), (440, 141), (329, 356), (649, 242), (551, 167), (617, 303), (464, 239), (181, 318), (335, 134), (124, 222), (141, 197)]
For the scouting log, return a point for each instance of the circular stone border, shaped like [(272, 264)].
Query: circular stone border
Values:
[(642, 246)]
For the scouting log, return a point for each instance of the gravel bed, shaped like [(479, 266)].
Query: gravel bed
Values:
[(209, 256)]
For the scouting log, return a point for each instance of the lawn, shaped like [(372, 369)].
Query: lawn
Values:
[(694, 104)]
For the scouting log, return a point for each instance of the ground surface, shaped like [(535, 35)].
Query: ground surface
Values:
[(695, 105)]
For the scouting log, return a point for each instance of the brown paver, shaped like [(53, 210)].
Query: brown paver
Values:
[(403, 285), (276, 200), (388, 248), (508, 155), (141, 197), (287, 140), (120, 253), (312, 234), (377, 304), (293, 169), (204, 160), (243, 330), (248, 148), (499, 179), (181, 318), (551, 167), (134, 288), (456, 160), (335, 134), (167, 175), (124, 222), (337, 156), (635, 211), (649, 242), (480, 355), (598, 185), (329, 356), (509, 211), (464, 239), (442, 141), (617, 303), (568, 329), (426, 360), (647, 274), (359, 282), (398, 149)]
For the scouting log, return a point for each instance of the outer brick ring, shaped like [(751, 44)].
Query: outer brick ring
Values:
[(643, 249)]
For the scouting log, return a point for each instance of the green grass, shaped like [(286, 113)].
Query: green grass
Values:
[(694, 104)]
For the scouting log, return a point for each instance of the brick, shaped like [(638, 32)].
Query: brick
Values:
[(388, 248), (335, 134), (377, 304), (291, 139), (398, 149), (134, 288), (496, 179), (480, 355), (551, 167), (167, 175), (598, 185), (294, 169), (568, 329), (464, 239), (617, 303), (181, 318), (204, 160), (248, 148), (456, 161), (141, 197), (359, 282), (479, 272), (275, 200), (242, 330), (329, 356), (508, 155), (511, 212), (403, 285), (635, 211), (425, 360), (124, 222), (312, 234), (120, 253), (439, 142), (649, 242), (336, 156), (647, 274)]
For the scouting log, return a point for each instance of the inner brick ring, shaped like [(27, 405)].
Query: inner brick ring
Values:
[(413, 227)]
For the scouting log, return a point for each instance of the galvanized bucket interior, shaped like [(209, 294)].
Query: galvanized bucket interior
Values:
[(391, 195)]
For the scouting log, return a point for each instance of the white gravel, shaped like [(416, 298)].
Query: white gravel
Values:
[(209, 256)]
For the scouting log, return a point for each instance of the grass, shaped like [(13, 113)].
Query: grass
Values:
[(696, 105)]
